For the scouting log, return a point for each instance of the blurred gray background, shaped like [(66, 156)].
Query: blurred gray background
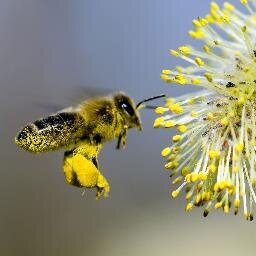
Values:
[(48, 48)]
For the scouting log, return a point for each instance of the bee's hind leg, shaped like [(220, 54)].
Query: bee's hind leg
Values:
[(83, 172), (70, 175)]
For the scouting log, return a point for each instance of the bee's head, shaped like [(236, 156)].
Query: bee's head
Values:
[(127, 109)]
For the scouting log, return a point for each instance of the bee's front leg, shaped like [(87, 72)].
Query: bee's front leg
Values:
[(121, 141)]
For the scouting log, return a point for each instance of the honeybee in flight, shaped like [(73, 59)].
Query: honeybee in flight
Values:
[(82, 131)]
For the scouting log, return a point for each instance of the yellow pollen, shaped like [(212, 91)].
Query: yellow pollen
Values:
[(209, 18), (229, 7), (199, 61), (224, 19), (189, 207), (189, 195), (175, 193), (160, 110), (166, 78), (166, 151), (226, 208), (209, 116), (172, 157), (171, 165), (244, 1), (166, 71), (191, 101), (180, 79), (176, 138), (158, 122), (203, 21), (194, 177), (176, 108), (209, 195), (239, 147), (182, 128), (169, 124), (177, 180), (169, 101), (198, 198), (214, 6), (188, 178), (198, 34), (196, 81), (184, 50), (241, 100), (218, 205), (196, 23), (208, 76), (194, 114), (237, 203), (214, 154), (206, 49), (179, 69), (224, 121)]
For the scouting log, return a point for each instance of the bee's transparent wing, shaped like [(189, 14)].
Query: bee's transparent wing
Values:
[(70, 96)]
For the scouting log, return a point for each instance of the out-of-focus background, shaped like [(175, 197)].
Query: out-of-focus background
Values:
[(48, 49)]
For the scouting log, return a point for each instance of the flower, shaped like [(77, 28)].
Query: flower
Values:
[(213, 153)]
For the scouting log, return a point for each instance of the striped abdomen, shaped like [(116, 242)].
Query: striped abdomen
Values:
[(52, 133)]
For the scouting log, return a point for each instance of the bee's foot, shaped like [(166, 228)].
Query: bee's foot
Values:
[(102, 187)]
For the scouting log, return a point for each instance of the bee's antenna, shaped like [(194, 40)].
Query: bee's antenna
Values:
[(149, 99), (150, 107)]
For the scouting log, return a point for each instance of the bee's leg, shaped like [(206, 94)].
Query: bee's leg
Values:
[(69, 173), (95, 162), (122, 138), (86, 174), (102, 187)]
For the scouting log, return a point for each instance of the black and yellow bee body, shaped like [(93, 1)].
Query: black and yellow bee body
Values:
[(82, 131)]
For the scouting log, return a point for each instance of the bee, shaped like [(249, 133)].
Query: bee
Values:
[(82, 131)]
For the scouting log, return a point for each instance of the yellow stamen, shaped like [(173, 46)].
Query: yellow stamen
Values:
[(169, 124), (160, 110), (166, 151), (166, 71), (176, 138), (182, 128), (158, 122), (175, 193), (184, 50), (189, 207), (199, 61)]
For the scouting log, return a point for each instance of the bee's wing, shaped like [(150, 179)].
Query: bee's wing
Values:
[(71, 96)]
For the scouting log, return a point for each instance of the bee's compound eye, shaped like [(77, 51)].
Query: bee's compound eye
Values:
[(128, 108), (124, 106)]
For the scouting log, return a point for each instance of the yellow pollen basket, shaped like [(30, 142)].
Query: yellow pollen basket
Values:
[(85, 172)]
